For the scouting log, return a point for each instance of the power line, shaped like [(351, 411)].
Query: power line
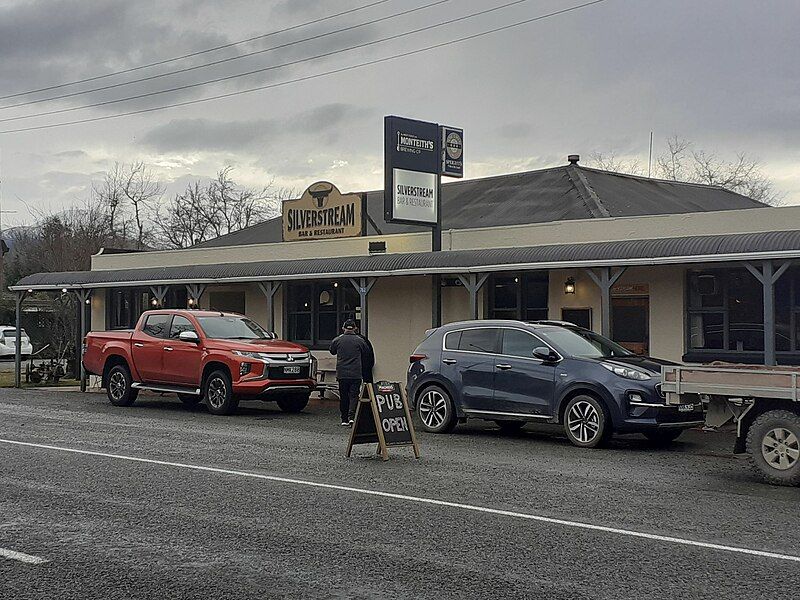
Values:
[(265, 69), (197, 53), (311, 77), (229, 59)]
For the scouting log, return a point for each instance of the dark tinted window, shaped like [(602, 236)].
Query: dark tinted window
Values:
[(180, 324), (452, 340), (519, 343), (156, 325), (479, 340)]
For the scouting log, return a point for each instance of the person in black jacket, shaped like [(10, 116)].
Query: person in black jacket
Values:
[(367, 361), (352, 354)]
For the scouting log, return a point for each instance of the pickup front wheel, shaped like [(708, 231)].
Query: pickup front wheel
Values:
[(218, 393), (118, 388), (773, 443)]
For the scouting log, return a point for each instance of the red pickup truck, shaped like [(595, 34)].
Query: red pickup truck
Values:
[(219, 357)]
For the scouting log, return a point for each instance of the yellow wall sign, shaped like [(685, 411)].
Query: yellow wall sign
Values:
[(322, 212)]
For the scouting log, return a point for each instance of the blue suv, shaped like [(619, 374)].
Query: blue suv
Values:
[(512, 372)]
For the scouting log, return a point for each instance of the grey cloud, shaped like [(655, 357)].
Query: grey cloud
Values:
[(198, 135)]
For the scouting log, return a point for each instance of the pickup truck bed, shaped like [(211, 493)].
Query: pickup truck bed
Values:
[(763, 401)]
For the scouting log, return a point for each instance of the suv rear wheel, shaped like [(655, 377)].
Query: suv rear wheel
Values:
[(586, 422), (435, 410)]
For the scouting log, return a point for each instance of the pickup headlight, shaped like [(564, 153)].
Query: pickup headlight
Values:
[(626, 372), (256, 355)]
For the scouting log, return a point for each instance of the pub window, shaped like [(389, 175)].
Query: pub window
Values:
[(124, 307), (519, 296), (725, 316), (315, 312)]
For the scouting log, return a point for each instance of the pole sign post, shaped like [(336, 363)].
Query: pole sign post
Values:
[(382, 417), (415, 155)]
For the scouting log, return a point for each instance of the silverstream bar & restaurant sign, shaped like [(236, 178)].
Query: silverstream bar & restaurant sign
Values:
[(322, 212)]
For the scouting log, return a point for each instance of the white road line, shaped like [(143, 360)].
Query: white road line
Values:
[(22, 557), (432, 501)]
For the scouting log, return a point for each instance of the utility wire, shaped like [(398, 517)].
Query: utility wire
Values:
[(311, 77), (230, 58), (197, 53), (265, 69)]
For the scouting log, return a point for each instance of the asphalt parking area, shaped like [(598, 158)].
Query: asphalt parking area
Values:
[(283, 513)]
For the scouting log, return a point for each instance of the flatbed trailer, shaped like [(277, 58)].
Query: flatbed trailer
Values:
[(763, 402)]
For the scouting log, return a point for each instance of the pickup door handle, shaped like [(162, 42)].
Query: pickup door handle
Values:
[(504, 367), (138, 345), (449, 361), (167, 348)]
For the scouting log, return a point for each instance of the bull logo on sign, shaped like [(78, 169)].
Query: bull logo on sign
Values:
[(320, 192)]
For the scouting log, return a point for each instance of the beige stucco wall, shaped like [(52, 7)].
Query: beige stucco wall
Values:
[(577, 231), (98, 314), (399, 314), (415, 242), (666, 298)]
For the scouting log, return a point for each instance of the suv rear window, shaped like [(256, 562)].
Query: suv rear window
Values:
[(479, 340), (451, 340)]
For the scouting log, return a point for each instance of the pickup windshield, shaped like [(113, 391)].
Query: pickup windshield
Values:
[(232, 328)]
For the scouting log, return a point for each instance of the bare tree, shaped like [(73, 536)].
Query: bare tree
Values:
[(220, 207), (671, 164), (142, 190), (680, 162), (608, 161), (109, 194), (183, 221)]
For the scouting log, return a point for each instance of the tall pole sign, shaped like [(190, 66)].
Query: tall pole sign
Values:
[(416, 154), (411, 171)]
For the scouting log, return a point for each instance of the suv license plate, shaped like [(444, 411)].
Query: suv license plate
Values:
[(291, 370), (685, 407)]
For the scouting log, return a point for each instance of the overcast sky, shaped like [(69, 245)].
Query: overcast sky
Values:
[(722, 73)]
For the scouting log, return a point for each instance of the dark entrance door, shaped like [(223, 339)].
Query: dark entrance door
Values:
[(630, 323)]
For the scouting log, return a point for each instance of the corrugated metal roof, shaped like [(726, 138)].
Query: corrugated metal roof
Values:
[(535, 197), (649, 251)]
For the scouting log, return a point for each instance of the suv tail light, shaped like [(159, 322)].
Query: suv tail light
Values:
[(416, 358)]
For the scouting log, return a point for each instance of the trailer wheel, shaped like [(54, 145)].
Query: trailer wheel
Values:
[(773, 443)]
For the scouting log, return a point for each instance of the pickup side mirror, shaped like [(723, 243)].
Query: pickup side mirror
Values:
[(544, 353), (189, 336)]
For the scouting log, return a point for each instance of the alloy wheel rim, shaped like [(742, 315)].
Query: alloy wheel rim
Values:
[(583, 421), (780, 448), (432, 409), (116, 385), (216, 392)]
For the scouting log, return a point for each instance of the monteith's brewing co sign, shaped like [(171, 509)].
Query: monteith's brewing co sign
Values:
[(416, 154), (322, 212)]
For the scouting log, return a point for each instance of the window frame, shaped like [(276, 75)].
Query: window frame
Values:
[(167, 328), (498, 339), (318, 286), (789, 357), (521, 309)]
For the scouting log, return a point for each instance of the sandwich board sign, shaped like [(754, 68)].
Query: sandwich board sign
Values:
[(383, 418)]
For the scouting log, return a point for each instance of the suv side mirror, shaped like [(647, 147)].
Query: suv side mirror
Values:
[(544, 353), (189, 336)]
